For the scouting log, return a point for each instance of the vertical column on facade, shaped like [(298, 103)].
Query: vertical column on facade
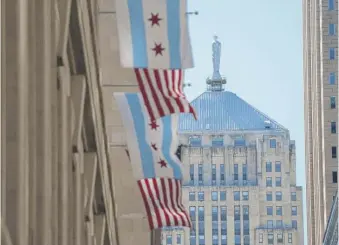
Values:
[(32, 125), (78, 92), (64, 153), (46, 80), (23, 77), (90, 173), (92, 71), (16, 65), (55, 117), (4, 228)]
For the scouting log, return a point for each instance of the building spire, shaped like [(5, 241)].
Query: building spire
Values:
[(217, 81)]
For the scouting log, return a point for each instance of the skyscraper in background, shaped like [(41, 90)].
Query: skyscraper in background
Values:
[(320, 27), (241, 188)]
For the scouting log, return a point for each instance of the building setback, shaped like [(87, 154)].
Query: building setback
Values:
[(320, 56)]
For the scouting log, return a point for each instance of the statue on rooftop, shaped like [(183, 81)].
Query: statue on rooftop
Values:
[(216, 53)]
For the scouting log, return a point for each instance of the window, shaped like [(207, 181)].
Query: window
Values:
[(294, 211), (169, 239), (214, 174), (192, 196), (269, 210), (279, 210), (217, 140), (269, 196), (201, 213), (331, 29), (215, 239), (201, 228), (289, 237), (333, 127), (223, 240), (280, 238), (239, 142), (270, 238), (331, 5), (269, 181), (245, 213), (193, 238), (214, 196), (201, 196), (223, 228), (237, 240), (331, 78), (222, 195), (333, 102), (235, 172), (334, 177), (222, 174), (273, 143), (331, 53), (261, 238), (245, 195), (178, 238), (278, 181), (279, 224), (293, 196), (192, 174), (215, 227), (278, 167), (192, 213), (270, 224), (278, 196), (268, 167), (237, 213), (236, 195), (214, 213), (294, 224), (195, 141), (244, 173), (200, 174), (201, 239), (223, 213), (334, 152)]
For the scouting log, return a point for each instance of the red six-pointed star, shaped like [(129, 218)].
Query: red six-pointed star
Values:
[(154, 125), (154, 146), (155, 19), (162, 163), (158, 49)]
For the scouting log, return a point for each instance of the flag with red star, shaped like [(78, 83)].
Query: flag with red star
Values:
[(162, 92), (154, 34), (152, 144)]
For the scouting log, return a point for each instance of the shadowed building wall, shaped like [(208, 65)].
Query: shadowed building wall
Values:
[(58, 185)]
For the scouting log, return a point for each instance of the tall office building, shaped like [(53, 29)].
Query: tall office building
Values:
[(242, 187), (320, 55)]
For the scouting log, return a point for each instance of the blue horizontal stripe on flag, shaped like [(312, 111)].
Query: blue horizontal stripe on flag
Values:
[(140, 125), (138, 34), (173, 32), (166, 147)]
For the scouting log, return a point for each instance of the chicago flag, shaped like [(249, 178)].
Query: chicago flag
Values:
[(159, 173), (154, 34)]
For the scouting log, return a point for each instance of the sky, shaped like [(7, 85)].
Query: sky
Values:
[(261, 59)]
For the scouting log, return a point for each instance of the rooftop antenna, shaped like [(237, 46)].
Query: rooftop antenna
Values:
[(217, 82)]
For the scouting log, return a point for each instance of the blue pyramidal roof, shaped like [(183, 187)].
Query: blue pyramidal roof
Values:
[(225, 111)]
